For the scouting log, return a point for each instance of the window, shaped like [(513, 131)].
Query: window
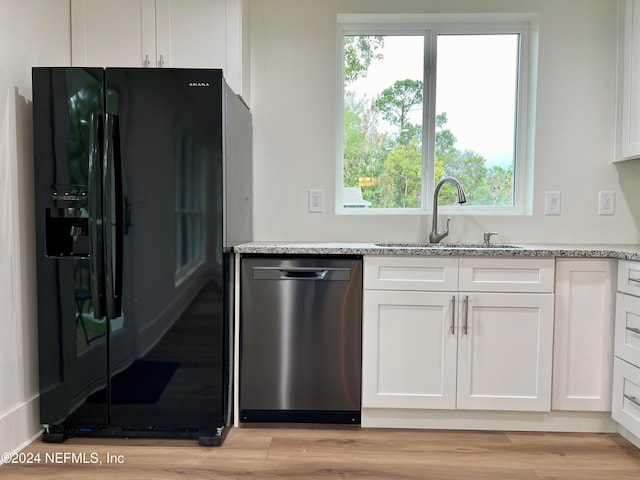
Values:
[(190, 206), (419, 104)]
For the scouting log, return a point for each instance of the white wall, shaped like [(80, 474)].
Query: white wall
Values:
[(293, 99), (32, 32)]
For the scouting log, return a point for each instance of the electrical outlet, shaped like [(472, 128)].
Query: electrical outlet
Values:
[(316, 201), (552, 205), (606, 203)]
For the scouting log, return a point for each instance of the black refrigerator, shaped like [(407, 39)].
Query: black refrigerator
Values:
[(142, 188)]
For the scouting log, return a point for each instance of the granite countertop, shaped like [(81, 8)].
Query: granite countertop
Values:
[(623, 252)]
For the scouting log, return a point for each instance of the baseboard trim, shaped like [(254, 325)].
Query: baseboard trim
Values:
[(20, 426), (629, 436), (555, 421)]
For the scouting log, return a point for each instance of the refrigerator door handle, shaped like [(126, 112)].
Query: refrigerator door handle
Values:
[(96, 252), (113, 217)]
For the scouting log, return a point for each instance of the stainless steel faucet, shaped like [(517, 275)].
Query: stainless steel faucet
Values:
[(487, 238), (435, 236)]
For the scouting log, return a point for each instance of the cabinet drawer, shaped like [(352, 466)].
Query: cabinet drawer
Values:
[(516, 275), (625, 408), (627, 329), (629, 277), (411, 273)]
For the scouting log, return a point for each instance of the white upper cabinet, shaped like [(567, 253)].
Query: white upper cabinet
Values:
[(628, 114), (191, 33), (162, 33), (113, 33)]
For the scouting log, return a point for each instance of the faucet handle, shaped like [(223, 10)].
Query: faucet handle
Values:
[(446, 228), (487, 237)]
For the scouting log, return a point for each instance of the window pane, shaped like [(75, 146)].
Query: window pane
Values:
[(476, 100), (383, 121)]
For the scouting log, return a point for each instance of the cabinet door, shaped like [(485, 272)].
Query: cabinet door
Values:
[(583, 340), (409, 349), (191, 33), (505, 351), (113, 33), (628, 127)]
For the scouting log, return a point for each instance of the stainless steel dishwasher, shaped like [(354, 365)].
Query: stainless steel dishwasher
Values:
[(300, 339)]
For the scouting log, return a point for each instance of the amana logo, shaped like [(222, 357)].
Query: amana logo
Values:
[(199, 84)]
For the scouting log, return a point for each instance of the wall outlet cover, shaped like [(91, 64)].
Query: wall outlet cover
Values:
[(553, 203), (316, 200)]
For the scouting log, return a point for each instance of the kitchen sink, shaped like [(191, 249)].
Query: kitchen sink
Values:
[(446, 245)]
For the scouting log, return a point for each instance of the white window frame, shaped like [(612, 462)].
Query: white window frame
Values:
[(431, 26)]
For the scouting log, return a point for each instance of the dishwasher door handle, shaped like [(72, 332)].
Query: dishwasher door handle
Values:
[(301, 273)]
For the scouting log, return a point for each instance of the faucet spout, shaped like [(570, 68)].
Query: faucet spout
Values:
[(435, 236)]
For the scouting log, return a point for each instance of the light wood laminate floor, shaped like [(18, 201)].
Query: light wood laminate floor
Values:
[(342, 453)]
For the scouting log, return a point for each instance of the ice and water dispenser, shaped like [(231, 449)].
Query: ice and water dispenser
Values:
[(67, 222)]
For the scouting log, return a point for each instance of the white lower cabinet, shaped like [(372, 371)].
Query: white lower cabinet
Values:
[(408, 350), (627, 330), (626, 395), (505, 348), (625, 408), (457, 349), (583, 340)]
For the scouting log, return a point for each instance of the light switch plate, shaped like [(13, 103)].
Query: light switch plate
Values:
[(606, 203), (552, 204)]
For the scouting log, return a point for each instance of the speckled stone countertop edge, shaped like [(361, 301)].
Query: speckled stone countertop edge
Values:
[(621, 252)]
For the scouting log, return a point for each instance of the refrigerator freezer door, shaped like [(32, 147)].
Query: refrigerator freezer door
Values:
[(72, 346)]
